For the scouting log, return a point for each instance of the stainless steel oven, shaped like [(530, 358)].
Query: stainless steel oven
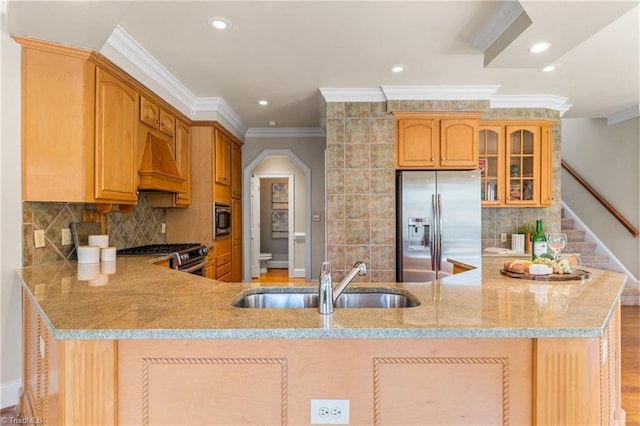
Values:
[(221, 220), (189, 257)]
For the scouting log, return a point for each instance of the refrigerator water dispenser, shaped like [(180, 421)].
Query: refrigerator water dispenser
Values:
[(418, 232)]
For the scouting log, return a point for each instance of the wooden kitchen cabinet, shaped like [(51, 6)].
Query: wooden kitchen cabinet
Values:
[(223, 158), (236, 239), (515, 159), (236, 170), (436, 141), (183, 161), (115, 142), (223, 259), (156, 117), (79, 127)]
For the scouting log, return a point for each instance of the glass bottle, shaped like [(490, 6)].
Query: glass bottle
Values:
[(538, 242)]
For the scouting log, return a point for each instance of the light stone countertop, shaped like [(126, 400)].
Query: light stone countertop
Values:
[(145, 301)]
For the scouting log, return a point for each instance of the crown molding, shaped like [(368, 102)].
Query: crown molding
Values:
[(373, 94), (127, 46), (440, 93), (220, 106), (285, 132), (557, 103), (624, 115), (503, 16)]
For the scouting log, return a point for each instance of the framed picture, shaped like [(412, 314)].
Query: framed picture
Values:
[(280, 224), (280, 196)]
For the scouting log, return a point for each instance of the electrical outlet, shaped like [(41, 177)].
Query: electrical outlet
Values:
[(329, 411), (66, 236), (503, 237), (38, 238), (163, 228)]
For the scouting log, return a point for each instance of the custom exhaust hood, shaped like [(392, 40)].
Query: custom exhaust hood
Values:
[(158, 170)]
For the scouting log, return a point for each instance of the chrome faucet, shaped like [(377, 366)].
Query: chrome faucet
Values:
[(327, 294)]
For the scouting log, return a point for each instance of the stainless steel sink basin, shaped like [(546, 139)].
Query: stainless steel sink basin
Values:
[(307, 297)]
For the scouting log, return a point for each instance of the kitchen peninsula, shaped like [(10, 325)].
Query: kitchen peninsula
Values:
[(156, 346)]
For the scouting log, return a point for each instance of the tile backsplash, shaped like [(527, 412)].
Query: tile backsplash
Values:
[(139, 227)]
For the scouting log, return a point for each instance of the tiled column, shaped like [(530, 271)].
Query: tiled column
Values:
[(361, 189)]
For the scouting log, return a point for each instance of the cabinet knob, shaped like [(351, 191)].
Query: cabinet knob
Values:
[(443, 158), (433, 159), (157, 121)]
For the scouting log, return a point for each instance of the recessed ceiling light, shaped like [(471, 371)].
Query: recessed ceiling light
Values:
[(539, 47), (263, 102), (397, 68), (550, 68), (219, 23)]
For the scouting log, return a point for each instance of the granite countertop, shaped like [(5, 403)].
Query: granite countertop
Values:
[(139, 300)]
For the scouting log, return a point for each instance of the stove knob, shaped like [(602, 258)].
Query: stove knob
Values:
[(184, 256), (204, 251)]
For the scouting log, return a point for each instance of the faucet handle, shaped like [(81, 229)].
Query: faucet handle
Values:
[(325, 269)]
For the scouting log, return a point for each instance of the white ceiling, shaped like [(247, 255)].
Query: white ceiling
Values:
[(286, 51)]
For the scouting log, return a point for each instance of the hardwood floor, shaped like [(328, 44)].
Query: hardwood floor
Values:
[(277, 276), (630, 355), (630, 359)]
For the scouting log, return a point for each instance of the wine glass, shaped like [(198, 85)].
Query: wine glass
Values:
[(556, 242)]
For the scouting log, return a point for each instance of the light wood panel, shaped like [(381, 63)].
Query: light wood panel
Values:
[(630, 360)]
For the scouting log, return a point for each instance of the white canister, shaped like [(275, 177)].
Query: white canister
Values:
[(101, 241), (108, 254), (88, 254)]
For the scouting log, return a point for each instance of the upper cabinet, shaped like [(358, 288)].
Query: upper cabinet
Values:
[(227, 173), (156, 117), (115, 141), (83, 135), (436, 141), (515, 159), (183, 161)]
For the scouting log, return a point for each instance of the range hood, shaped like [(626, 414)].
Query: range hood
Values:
[(158, 170)]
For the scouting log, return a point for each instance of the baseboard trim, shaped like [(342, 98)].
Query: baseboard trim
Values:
[(278, 264), (10, 393), (299, 273)]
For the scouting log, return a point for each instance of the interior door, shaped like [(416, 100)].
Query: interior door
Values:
[(255, 227)]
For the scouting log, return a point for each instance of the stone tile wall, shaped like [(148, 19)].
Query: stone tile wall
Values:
[(360, 168), (139, 227)]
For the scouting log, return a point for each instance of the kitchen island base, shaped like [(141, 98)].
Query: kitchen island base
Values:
[(271, 381)]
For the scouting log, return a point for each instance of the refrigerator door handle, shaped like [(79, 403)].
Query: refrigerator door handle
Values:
[(439, 260), (432, 233)]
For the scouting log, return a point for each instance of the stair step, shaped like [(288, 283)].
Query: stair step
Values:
[(574, 235), (566, 223), (598, 262), (581, 247), (630, 296)]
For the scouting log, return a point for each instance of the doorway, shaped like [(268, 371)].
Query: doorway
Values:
[(300, 232), (272, 216)]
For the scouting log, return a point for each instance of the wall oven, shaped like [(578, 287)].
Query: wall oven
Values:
[(221, 220)]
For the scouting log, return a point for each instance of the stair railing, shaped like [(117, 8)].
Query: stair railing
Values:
[(600, 199)]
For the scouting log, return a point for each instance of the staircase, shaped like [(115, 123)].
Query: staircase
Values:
[(587, 250)]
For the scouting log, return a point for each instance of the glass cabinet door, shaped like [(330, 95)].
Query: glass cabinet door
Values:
[(491, 147), (522, 165)]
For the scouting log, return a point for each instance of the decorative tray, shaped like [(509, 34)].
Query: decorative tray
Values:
[(578, 275)]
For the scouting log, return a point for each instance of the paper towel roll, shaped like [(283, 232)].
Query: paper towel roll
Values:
[(101, 241), (108, 254), (88, 254)]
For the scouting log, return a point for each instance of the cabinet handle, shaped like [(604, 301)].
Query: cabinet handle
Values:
[(433, 159)]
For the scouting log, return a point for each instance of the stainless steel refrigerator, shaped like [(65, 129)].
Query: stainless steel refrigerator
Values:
[(438, 217)]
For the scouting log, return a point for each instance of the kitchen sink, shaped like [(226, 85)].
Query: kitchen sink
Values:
[(307, 297)]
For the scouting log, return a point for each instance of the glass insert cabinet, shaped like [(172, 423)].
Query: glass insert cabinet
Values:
[(515, 163)]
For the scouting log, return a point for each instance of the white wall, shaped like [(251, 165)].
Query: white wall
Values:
[(10, 217), (608, 158)]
